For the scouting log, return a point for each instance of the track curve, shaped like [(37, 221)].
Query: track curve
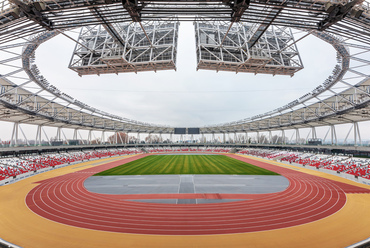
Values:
[(308, 198)]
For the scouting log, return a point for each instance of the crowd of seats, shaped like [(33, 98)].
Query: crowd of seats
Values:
[(261, 153), (315, 160), (359, 167), (11, 167), (354, 166), (188, 149)]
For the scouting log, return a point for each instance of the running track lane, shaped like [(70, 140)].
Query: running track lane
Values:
[(308, 198)]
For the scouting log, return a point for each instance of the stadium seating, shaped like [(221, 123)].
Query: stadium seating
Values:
[(359, 167), (188, 149), (14, 166)]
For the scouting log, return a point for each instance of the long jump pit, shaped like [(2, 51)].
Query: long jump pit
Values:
[(67, 207)]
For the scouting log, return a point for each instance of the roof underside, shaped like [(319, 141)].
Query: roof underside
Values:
[(345, 24)]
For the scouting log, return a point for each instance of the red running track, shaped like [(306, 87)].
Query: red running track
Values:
[(308, 198)]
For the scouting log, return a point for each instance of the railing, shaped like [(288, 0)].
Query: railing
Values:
[(4, 243)]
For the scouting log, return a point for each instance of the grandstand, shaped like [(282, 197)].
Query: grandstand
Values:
[(358, 167), (14, 168)]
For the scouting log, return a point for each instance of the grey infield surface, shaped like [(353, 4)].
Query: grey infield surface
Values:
[(170, 184)]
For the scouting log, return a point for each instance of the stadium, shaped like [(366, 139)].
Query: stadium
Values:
[(95, 169)]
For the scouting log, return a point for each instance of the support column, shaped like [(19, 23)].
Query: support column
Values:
[(314, 136), (82, 140), (333, 135), (138, 138), (283, 136), (258, 137), (297, 137), (291, 138), (308, 135), (38, 136), (65, 138), (14, 139), (355, 127), (120, 137), (59, 134), (46, 136), (24, 136), (224, 138), (270, 138), (357, 134), (75, 134), (276, 140), (326, 135), (102, 141), (345, 140), (89, 138), (246, 138), (264, 138)]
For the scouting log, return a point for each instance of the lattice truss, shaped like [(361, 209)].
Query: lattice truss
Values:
[(225, 47), (150, 46), (342, 98), (27, 97)]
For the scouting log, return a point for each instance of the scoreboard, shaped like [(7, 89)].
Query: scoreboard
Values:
[(180, 130), (190, 130), (193, 130)]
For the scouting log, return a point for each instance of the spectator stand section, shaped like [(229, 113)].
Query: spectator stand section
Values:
[(16, 168), (188, 149), (356, 169), (13, 169)]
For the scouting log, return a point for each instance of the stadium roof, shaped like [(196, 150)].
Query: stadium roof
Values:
[(27, 24)]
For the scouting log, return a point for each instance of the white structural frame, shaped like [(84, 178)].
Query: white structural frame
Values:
[(26, 97), (150, 46), (225, 46)]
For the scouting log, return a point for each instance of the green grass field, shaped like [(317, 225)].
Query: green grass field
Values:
[(186, 164)]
